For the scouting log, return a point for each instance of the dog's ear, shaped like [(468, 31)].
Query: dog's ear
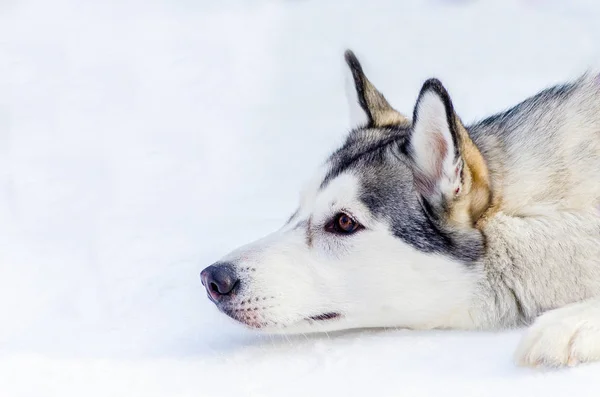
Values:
[(449, 171), (368, 107)]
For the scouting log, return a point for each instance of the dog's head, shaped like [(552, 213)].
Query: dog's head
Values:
[(384, 234)]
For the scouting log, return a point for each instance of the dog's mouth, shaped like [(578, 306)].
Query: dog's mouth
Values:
[(253, 317), (325, 316), (246, 316)]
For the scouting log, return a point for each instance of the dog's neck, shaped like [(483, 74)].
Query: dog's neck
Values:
[(515, 286)]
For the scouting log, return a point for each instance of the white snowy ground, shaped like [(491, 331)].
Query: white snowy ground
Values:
[(141, 140)]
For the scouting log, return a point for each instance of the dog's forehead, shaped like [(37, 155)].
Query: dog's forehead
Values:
[(341, 191), (365, 149), (368, 158), (371, 173)]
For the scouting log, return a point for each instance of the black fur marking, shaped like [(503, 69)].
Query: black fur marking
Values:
[(380, 157), (362, 148), (394, 200), (428, 209), (377, 156), (505, 119), (359, 83), (292, 216), (325, 316)]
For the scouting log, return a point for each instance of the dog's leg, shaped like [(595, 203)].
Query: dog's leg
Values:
[(566, 336)]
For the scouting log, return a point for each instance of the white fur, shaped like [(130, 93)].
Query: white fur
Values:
[(566, 336), (542, 242), (371, 278)]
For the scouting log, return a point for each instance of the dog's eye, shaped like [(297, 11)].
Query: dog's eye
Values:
[(342, 224)]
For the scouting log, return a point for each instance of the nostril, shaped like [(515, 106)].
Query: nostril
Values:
[(219, 280)]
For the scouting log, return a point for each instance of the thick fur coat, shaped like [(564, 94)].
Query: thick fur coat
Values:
[(424, 222)]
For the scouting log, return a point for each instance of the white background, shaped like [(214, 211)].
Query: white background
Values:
[(142, 140)]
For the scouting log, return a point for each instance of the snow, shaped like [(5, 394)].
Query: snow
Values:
[(142, 140)]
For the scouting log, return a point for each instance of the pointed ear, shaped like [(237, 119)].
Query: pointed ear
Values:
[(373, 109), (449, 171)]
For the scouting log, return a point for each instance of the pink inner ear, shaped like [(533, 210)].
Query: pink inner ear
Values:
[(439, 149), (427, 179)]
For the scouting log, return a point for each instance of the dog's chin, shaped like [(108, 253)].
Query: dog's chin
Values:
[(303, 326), (322, 322), (254, 318), (249, 317)]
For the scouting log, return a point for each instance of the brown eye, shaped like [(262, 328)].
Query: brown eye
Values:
[(342, 224)]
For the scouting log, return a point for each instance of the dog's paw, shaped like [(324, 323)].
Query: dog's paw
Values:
[(562, 337)]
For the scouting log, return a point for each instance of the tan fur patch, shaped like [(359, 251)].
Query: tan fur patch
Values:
[(382, 113), (475, 197), (389, 118), (494, 207)]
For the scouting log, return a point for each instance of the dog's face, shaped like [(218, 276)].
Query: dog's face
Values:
[(381, 236)]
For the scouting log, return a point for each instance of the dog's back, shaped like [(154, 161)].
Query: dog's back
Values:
[(544, 154)]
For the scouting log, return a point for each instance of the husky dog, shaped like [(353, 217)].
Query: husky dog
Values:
[(423, 222)]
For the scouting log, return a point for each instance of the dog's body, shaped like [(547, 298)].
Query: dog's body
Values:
[(431, 224)]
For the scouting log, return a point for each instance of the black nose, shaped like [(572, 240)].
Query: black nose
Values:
[(220, 281)]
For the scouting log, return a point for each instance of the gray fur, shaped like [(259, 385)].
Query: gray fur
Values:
[(486, 226), (388, 190), (532, 261)]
